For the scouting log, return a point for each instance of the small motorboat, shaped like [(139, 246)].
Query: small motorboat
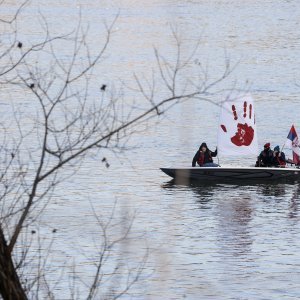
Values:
[(231, 174)]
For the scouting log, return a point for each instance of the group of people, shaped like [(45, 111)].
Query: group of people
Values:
[(267, 157), (271, 158)]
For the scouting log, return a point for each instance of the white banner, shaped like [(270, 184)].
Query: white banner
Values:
[(237, 133)]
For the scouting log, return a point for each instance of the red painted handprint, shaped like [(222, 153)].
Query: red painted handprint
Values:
[(245, 133)]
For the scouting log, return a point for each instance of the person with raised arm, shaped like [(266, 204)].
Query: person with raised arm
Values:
[(204, 157)]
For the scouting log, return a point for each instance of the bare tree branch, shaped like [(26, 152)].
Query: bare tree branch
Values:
[(69, 123)]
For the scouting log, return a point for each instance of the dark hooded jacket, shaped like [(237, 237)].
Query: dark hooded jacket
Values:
[(202, 158), (265, 158)]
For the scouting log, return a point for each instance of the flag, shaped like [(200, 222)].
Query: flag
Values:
[(296, 158), (237, 129), (293, 143)]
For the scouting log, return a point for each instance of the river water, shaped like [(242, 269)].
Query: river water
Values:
[(201, 242)]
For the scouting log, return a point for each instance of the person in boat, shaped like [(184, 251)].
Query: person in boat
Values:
[(279, 158), (266, 157), (204, 157)]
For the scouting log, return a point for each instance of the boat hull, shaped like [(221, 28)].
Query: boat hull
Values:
[(232, 173)]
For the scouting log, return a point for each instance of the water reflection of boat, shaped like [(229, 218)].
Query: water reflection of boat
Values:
[(232, 174)]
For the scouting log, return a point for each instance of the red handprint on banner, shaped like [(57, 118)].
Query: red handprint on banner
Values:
[(245, 133)]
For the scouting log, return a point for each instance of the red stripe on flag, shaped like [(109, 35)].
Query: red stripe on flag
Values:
[(296, 158)]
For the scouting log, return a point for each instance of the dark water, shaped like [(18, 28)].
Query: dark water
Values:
[(205, 242)]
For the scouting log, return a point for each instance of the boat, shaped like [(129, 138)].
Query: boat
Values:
[(231, 174), (237, 136)]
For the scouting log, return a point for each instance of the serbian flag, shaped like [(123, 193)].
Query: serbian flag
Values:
[(293, 143), (237, 133)]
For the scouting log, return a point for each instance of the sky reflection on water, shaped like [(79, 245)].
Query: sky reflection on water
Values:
[(246, 236)]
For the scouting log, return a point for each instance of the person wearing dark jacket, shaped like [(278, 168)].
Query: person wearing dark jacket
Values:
[(203, 157), (265, 158), (279, 158)]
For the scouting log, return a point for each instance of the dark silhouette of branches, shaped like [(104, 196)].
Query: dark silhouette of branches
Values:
[(14, 18), (66, 122)]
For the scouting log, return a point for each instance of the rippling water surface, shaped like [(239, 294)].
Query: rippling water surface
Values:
[(202, 242)]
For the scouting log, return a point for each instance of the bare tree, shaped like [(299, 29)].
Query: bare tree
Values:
[(64, 123)]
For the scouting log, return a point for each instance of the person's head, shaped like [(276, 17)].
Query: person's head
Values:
[(203, 147), (267, 146), (276, 149)]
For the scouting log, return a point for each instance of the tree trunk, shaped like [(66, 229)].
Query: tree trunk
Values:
[(10, 285)]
